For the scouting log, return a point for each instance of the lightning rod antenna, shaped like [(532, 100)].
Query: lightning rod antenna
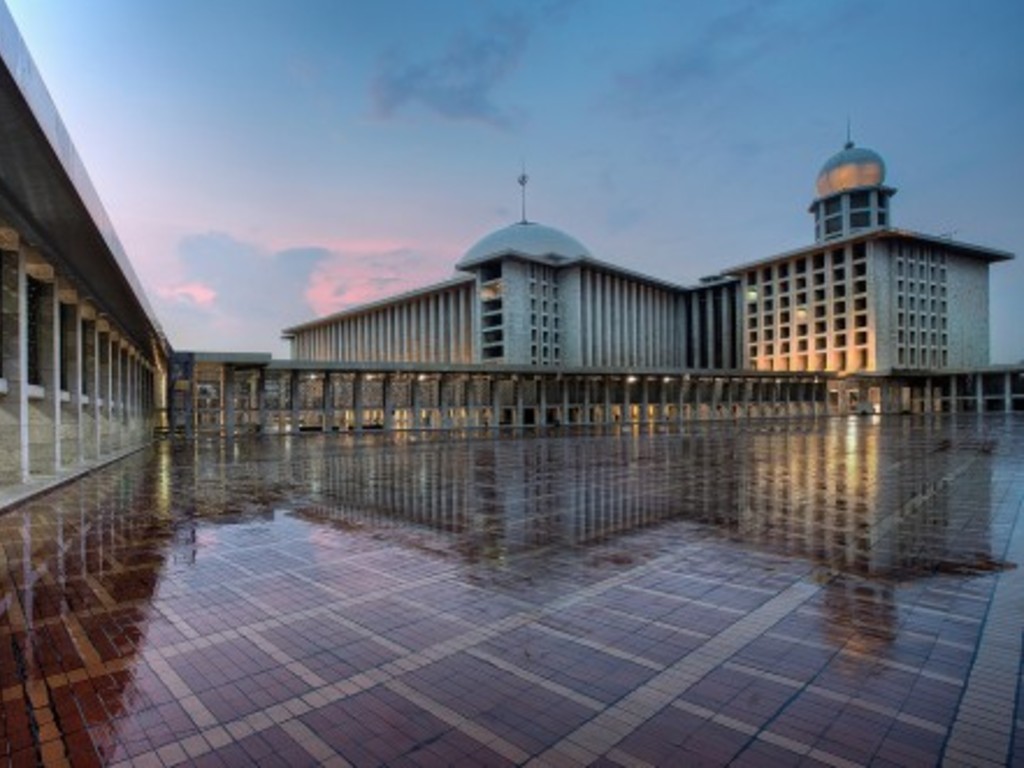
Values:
[(523, 179)]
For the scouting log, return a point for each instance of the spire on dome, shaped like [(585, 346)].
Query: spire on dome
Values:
[(523, 179)]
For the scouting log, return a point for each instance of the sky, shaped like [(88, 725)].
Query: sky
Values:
[(266, 162)]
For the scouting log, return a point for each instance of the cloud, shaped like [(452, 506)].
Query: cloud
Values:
[(356, 276), (459, 83), (239, 296), (234, 295), (190, 293), (698, 66)]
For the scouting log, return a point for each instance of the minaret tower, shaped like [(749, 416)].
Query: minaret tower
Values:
[(852, 195)]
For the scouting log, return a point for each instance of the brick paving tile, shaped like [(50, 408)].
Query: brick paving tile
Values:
[(819, 592)]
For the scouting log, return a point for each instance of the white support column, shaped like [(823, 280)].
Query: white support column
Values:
[(54, 389), (520, 409), (564, 384), (388, 401), (357, 402), (495, 384), (444, 402), (23, 431), (76, 396), (542, 402), (227, 403), (606, 384)]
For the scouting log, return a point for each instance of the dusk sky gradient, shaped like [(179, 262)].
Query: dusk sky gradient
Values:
[(265, 162)]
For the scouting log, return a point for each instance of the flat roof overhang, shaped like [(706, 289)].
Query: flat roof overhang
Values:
[(990, 255), (46, 195)]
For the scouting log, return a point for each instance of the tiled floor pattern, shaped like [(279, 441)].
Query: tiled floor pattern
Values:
[(228, 606)]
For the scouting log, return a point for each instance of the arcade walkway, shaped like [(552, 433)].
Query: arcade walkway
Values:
[(832, 592)]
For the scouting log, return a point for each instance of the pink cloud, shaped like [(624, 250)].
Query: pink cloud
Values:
[(364, 271), (193, 293)]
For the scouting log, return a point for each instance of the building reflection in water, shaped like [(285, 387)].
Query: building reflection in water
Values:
[(90, 571), (870, 505), (848, 496)]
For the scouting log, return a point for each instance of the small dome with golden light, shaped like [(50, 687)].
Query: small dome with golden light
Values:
[(851, 168)]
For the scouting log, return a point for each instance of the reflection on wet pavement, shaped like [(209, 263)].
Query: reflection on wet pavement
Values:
[(777, 593)]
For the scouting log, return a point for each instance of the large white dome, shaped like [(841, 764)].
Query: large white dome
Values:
[(528, 240), (851, 168)]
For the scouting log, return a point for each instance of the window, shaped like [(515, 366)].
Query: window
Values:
[(490, 271)]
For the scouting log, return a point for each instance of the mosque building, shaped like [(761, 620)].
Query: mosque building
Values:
[(865, 297), (532, 295)]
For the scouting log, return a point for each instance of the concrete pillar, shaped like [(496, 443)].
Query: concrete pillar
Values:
[(495, 385), (542, 401), (294, 401), (327, 419), (78, 395), (388, 402), (1007, 392), (626, 399), (357, 402), (564, 384), (645, 403), (416, 402), (444, 400), (520, 407), (228, 416), (14, 461), (979, 393), (606, 383)]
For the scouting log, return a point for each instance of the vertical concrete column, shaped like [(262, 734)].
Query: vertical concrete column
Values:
[(18, 381), (520, 409), (10, 469), (626, 400), (979, 393), (645, 400), (227, 401), (105, 417), (117, 398), (587, 416), (1007, 392), (415, 401), (78, 396), (929, 406), (663, 399), (495, 385), (566, 405), (55, 399), (606, 384), (542, 401), (294, 401), (954, 395), (445, 405), (261, 400), (388, 402), (327, 420), (684, 384), (357, 402)]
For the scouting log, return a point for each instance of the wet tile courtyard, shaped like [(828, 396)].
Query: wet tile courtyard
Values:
[(820, 592)]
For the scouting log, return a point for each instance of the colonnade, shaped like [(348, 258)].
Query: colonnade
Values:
[(74, 389), (230, 399)]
